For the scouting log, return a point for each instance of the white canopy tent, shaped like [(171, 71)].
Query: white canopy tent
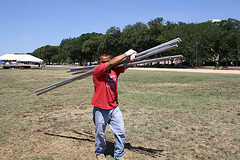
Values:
[(20, 58)]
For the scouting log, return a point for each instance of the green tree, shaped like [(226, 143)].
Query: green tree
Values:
[(46, 52), (136, 37), (91, 47), (112, 43), (226, 42), (63, 50), (156, 28), (188, 35), (72, 48)]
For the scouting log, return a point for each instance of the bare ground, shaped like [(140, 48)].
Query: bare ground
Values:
[(191, 70)]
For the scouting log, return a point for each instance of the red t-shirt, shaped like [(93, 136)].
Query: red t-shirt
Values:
[(105, 83)]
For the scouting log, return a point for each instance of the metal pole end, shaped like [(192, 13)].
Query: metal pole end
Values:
[(179, 39)]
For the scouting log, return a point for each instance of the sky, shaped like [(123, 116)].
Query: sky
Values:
[(26, 25)]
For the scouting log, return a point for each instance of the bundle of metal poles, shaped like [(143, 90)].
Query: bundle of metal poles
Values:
[(85, 72)]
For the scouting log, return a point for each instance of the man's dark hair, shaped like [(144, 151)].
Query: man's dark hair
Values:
[(102, 54)]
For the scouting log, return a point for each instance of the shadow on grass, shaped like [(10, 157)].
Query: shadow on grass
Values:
[(110, 145)]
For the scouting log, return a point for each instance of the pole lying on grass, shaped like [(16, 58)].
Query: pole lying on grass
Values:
[(87, 71)]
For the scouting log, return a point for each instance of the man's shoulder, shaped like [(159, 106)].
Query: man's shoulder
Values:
[(99, 69)]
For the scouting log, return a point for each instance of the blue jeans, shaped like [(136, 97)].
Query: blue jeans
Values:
[(115, 120)]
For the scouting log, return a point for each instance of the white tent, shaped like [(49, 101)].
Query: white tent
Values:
[(20, 57)]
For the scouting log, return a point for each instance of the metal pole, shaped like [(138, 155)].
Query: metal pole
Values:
[(64, 82), (196, 53), (172, 42), (157, 51), (80, 72), (150, 53), (81, 68), (237, 59), (139, 55), (151, 60), (88, 69), (69, 79), (143, 56), (89, 73)]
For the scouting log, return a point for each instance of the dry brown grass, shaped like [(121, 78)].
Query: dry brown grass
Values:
[(168, 115)]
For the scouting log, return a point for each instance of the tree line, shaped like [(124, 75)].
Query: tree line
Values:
[(213, 41)]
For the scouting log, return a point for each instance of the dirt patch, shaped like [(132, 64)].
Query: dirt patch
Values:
[(191, 70), (167, 85)]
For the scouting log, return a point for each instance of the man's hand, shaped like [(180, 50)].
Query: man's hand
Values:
[(116, 60), (132, 54)]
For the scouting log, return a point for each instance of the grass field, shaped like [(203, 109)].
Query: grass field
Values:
[(168, 115)]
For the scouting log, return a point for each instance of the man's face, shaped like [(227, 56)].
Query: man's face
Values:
[(104, 59)]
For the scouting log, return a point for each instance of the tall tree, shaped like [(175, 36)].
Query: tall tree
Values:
[(136, 37), (46, 52), (188, 35), (72, 47), (91, 47), (112, 43), (226, 43), (156, 28)]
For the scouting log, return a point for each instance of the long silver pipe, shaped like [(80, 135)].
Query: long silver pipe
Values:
[(138, 56), (65, 82), (157, 51), (172, 42), (81, 68), (80, 72), (69, 79), (151, 51), (89, 73), (151, 60)]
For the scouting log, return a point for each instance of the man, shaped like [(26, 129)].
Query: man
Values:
[(105, 102)]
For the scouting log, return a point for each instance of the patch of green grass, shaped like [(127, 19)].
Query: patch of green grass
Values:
[(178, 90)]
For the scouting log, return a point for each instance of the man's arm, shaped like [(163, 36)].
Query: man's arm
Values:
[(116, 60)]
